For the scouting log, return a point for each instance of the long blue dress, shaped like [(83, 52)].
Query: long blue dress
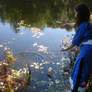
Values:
[(83, 34)]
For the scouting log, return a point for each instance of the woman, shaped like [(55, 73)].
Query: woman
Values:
[(83, 38)]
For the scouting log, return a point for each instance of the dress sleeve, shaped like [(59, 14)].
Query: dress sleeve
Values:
[(79, 36)]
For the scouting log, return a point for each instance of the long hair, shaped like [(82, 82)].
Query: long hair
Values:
[(83, 13)]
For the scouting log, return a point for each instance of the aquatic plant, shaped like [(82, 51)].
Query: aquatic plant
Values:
[(11, 79)]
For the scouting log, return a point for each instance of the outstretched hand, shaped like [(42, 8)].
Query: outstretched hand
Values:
[(68, 48), (67, 25), (63, 49), (64, 25)]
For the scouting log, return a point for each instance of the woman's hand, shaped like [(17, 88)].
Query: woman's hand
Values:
[(67, 25), (63, 49), (64, 25), (68, 48)]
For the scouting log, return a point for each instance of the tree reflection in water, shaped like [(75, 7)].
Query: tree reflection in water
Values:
[(37, 13)]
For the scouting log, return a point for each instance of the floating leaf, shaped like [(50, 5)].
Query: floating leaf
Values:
[(50, 69), (35, 44), (57, 81), (42, 48), (37, 67), (22, 53)]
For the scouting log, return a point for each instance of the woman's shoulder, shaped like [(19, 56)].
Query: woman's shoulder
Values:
[(85, 25)]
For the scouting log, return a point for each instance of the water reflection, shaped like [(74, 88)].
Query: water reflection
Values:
[(29, 28), (39, 13), (37, 34), (39, 49)]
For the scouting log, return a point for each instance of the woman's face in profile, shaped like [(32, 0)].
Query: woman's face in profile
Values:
[(76, 14)]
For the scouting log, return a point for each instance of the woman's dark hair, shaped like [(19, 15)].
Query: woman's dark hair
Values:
[(83, 13)]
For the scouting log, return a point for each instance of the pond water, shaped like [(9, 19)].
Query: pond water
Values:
[(41, 52), (31, 30)]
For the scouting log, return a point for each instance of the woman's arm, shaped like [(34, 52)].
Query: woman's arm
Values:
[(68, 48), (67, 25)]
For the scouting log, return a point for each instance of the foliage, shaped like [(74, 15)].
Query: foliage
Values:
[(10, 79)]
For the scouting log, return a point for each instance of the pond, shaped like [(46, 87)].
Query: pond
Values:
[(31, 30)]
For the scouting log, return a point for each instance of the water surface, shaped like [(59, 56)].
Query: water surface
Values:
[(31, 30)]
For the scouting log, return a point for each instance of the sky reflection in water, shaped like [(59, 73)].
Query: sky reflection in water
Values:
[(42, 53)]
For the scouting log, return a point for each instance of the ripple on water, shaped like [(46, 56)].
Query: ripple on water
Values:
[(42, 65)]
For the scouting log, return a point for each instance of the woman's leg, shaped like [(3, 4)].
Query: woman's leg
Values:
[(76, 87)]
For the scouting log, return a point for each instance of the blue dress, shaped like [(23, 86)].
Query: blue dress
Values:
[(83, 34)]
